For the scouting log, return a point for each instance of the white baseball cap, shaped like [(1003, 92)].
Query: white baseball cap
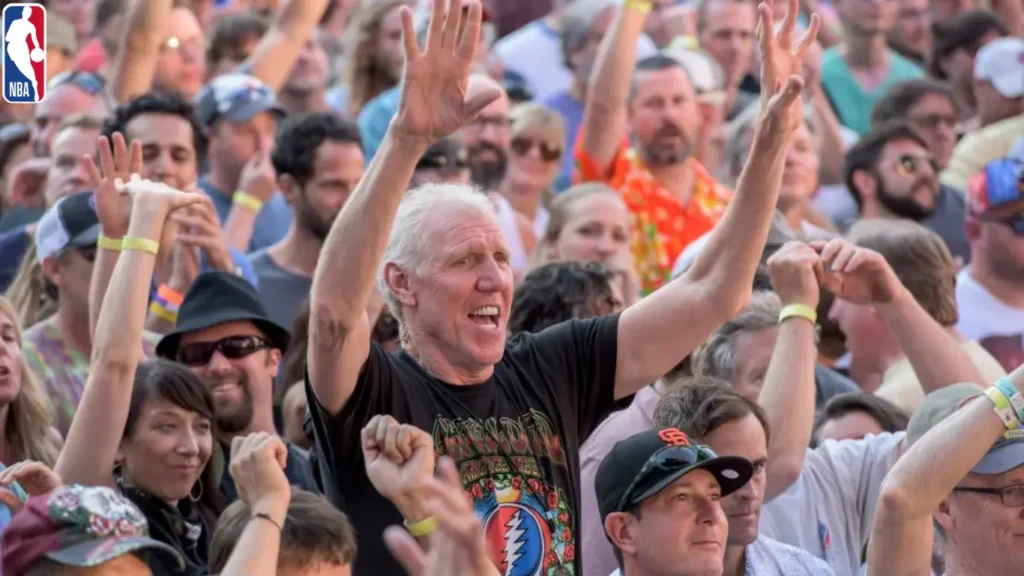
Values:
[(1001, 63)]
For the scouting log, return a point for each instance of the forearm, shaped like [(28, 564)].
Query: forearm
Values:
[(239, 226), (102, 271), (604, 115), (135, 63), (829, 139), (257, 550), (788, 401), (96, 431), (274, 56), (936, 356)]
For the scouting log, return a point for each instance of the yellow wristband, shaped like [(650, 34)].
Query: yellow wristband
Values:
[(160, 312), (422, 527), (140, 244), (641, 6), (798, 311), (243, 198), (1002, 408), (112, 244)]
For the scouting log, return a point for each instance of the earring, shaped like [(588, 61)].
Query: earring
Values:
[(195, 497)]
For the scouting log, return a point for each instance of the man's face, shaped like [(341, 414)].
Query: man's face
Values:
[(487, 142), (800, 177), (906, 180), (63, 101), (461, 297), (234, 143), (914, 26), (753, 353), (66, 175), (168, 148), (935, 118), (743, 437), (980, 529), (241, 387), (585, 55), (728, 36), (868, 17), (181, 66), (70, 272), (80, 13), (682, 528), (1000, 246), (311, 68), (337, 168), (664, 115)]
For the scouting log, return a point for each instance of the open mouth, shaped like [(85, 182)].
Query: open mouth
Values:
[(4, 371), (486, 316)]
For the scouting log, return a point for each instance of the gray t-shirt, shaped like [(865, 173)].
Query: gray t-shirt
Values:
[(830, 509), (283, 293)]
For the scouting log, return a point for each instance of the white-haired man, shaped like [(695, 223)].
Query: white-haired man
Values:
[(512, 415)]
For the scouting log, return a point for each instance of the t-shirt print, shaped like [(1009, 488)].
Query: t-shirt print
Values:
[(528, 522)]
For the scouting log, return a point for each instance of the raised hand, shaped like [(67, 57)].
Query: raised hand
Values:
[(258, 177), (796, 271), (782, 63), (855, 274), (257, 466), (458, 546), (200, 229), (35, 478), (438, 97), (117, 165), (399, 460)]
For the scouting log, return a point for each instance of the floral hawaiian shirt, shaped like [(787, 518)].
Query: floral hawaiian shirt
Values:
[(662, 227)]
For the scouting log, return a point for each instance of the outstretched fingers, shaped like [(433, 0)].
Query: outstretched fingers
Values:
[(435, 32), (471, 36), (808, 37), (766, 37), (789, 24), (135, 158), (452, 23), (106, 156), (412, 47)]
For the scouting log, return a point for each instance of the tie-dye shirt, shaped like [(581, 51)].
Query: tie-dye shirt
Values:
[(62, 370), (662, 227)]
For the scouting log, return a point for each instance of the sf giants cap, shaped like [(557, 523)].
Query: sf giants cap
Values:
[(627, 476), (78, 526), (1001, 63), (237, 97), (1005, 455), (70, 223)]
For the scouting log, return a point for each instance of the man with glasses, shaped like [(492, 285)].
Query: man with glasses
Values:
[(225, 337), (891, 173), (69, 93), (990, 291), (660, 496)]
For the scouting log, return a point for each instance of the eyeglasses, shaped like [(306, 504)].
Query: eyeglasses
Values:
[(910, 165), (232, 347), (193, 45), (89, 82), (548, 151), (932, 121), (668, 459), (87, 252), (1011, 496)]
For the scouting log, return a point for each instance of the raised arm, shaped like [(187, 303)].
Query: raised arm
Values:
[(437, 99), (604, 113), (139, 48), (901, 540), (660, 330), (96, 431), (277, 51), (788, 393)]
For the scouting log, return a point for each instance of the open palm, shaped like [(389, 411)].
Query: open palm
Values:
[(438, 97), (117, 164), (782, 60)]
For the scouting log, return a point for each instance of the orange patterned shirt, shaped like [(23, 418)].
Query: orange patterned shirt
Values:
[(662, 227)]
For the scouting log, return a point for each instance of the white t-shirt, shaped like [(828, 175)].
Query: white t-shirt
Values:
[(830, 509), (981, 313), (534, 52)]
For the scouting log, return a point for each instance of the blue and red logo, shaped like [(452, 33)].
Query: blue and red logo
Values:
[(24, 46)]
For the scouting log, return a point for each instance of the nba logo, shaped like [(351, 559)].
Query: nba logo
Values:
[(24, 64)]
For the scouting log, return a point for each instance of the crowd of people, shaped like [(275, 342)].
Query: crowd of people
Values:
[(543, 287)]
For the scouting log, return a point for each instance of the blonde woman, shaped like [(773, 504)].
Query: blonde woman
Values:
[(375, 56)]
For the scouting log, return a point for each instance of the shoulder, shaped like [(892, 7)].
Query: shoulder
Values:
[(791, 557), (831, 57), (905, 68)]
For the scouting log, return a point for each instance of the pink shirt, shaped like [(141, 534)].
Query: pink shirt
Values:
[(598, 558)]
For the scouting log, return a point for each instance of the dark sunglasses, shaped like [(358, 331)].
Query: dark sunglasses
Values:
[(668, 459), (443, 162), (87, 252), (88, 82), (909, 165), (548, 151), (232, 347)]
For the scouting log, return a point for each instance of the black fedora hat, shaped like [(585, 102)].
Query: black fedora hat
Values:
[(218, 298)]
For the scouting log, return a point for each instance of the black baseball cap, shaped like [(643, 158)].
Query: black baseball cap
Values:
[(644, 464)]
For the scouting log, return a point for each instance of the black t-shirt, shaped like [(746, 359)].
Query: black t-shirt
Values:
[(515, 440)]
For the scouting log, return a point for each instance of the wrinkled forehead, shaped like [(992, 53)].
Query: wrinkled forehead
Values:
[(451, 227)]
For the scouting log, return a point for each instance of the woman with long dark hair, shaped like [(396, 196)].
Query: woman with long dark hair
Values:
[(147, 429)]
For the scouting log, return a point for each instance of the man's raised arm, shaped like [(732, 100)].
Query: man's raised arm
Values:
[(659, 331), (437, 99)]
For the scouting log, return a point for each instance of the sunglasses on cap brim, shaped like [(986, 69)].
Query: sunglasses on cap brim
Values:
[(669, 460)]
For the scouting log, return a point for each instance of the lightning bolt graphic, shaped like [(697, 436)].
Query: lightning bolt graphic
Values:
[(513, 541)]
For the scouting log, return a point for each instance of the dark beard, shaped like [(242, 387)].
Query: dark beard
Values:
[(655, 155), (487, 174), (311, 221), (903, 206), (238, 420)]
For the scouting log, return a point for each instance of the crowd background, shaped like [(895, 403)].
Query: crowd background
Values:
[(586, 287)]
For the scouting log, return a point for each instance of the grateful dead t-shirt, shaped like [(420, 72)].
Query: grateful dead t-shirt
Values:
[(515, 440)]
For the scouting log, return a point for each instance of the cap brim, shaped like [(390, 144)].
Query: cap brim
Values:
[(87, 238), (732, 473), (1001, 459), (95, 552), (252, 109)]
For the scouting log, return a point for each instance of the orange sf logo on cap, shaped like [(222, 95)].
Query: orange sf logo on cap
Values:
[(674, 437)]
